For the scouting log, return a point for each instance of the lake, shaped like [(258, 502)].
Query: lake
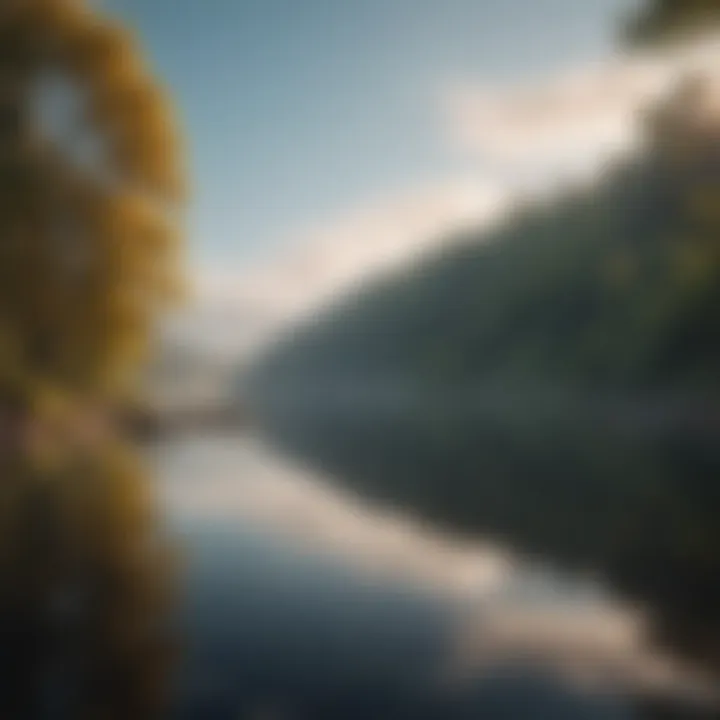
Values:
[(290, 606)]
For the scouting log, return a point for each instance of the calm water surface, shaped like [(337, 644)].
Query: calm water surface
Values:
[(272, 626)]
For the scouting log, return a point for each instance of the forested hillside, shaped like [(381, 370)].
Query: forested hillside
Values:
[(612, 286)]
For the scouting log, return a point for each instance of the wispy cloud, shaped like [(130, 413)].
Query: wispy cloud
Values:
[(334, 256), (569, 122), (568, 119)]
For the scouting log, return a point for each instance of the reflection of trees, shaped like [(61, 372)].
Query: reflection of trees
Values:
[(88, 183), (84, 583)]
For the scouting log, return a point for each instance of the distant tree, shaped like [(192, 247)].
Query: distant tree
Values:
[(90, 186), (667, 20)]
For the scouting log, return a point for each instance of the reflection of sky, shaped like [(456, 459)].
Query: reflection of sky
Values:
[(273, 633), (246, 516), (244, 483)]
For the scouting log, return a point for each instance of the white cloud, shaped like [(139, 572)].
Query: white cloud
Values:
[(570, 122), (242, 311)]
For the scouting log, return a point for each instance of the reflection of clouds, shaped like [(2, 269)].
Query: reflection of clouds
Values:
[(502, 615), (221, 481), (599, 647)]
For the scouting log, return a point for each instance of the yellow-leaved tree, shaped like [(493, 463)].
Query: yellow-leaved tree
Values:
[(90, 189)]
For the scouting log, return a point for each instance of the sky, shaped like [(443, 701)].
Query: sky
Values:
[(297, 112)]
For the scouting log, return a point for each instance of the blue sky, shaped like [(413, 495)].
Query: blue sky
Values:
[(295, 110)]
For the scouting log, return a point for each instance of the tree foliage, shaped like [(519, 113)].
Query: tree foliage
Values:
[(90, 188), (88, 233), (660, 21)]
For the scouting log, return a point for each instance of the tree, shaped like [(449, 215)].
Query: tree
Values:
[(670, 20), (90, 189)]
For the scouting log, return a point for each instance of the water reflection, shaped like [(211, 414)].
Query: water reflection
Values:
[(626, 487), (85, 588), (283, 620)]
